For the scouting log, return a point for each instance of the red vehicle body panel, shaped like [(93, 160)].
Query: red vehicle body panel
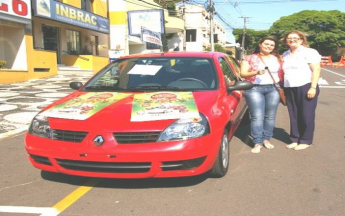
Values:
[(222, 110)]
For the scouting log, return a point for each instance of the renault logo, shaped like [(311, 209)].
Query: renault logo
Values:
[(98, 141)]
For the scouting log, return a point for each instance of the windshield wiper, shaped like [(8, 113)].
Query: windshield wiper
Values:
[(140, 88), (102, 88)]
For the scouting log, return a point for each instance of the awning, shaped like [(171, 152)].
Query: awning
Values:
[(10, 18)]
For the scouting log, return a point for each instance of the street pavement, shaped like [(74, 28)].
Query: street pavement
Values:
[(20, 102)]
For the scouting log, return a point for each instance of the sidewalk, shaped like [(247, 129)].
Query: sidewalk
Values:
[(20, 102)]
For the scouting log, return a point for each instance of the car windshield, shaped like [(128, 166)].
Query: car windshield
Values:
[(155, 74)]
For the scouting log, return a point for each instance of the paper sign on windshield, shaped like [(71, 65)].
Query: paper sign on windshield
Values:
[(145, 69), (164, 105), (84, 106)]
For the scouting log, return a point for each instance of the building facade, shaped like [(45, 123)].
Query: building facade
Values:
[(37, 37), (198, 28), (128, 17), (65, 32), (15, 27)]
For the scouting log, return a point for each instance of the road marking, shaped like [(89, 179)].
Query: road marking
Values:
[(75, 195), (333, 72), (322, 81), (58, 207), (31, 210), (340, 83)]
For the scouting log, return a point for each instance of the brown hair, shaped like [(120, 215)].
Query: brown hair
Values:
[(300, 34), (276, 45)]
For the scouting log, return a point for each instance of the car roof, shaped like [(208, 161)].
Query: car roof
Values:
[(174, 54)]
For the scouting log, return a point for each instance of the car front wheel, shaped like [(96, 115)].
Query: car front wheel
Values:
[(221, 166)]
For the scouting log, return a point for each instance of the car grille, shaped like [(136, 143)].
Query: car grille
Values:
[(182, 165), (40, 159), (69, 136), (105, 167), (140, 137)]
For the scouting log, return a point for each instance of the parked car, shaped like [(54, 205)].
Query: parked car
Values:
[(105, 127)]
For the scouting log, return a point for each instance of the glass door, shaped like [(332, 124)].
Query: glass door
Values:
[(51, 40)]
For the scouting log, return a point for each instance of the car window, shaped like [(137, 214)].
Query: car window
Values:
[(227, 72), (156, 73)]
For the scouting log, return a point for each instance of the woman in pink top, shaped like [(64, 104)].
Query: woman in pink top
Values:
[(263, 98)]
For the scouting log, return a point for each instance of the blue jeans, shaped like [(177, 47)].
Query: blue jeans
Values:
[(262, 102)]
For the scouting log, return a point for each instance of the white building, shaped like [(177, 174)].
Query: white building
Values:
[(198, 29)]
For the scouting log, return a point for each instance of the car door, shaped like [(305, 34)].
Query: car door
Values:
[(235, 100)]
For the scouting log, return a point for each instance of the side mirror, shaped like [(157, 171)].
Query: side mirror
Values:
[(75, 85), (240, 85)]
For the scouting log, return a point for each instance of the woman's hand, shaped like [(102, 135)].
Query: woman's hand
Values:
[(260, 72), (311, 93)]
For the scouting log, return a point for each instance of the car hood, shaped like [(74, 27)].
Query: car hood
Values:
[(116, 116)]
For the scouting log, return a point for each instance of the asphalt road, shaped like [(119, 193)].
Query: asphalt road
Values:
[(274, 182)]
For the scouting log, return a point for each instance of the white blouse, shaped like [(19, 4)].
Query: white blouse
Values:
[(296, 68), (273, 65)]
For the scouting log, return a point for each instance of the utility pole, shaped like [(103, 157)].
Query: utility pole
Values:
[(244, 33), (211, 11), (184, 28)]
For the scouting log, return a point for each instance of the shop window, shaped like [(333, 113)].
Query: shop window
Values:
[(94, 47), (50, 37), (191, 35), (87, 5), (73, 42), (90, 46)]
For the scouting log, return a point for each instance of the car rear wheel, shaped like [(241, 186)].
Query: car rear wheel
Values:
[(221, 166)]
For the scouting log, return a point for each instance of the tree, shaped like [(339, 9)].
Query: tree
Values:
[(217, 48), (251, 38), (325, 30)]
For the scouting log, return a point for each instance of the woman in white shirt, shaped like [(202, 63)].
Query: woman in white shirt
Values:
[(301, 74), (263, 98)]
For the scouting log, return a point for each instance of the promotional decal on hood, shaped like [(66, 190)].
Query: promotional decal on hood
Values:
[(163, 105), (84, 106)]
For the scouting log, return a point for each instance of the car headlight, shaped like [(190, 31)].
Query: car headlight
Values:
[(183, 129), (40, 126)]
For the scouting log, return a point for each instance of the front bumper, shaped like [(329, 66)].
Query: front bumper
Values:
[(113, 160)]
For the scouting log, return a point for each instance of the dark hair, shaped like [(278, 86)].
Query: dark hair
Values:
[(300, 34), (276, 45)]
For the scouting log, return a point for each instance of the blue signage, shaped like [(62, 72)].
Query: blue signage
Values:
[(67, 14)]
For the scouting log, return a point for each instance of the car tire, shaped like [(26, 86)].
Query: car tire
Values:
[(221, 165)]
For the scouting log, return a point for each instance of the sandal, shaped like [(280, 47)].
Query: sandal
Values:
[(302, 146), (268, 145), (256, 149), (292, 145)]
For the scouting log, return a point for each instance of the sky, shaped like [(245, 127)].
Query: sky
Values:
[(263, 13)]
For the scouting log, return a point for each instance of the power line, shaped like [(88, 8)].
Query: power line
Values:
[(224, 21)]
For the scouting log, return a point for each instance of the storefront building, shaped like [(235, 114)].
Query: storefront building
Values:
[(65, 32), (127, 17), (15, 27)]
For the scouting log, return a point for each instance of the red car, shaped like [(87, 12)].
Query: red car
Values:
[(103, 129)]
